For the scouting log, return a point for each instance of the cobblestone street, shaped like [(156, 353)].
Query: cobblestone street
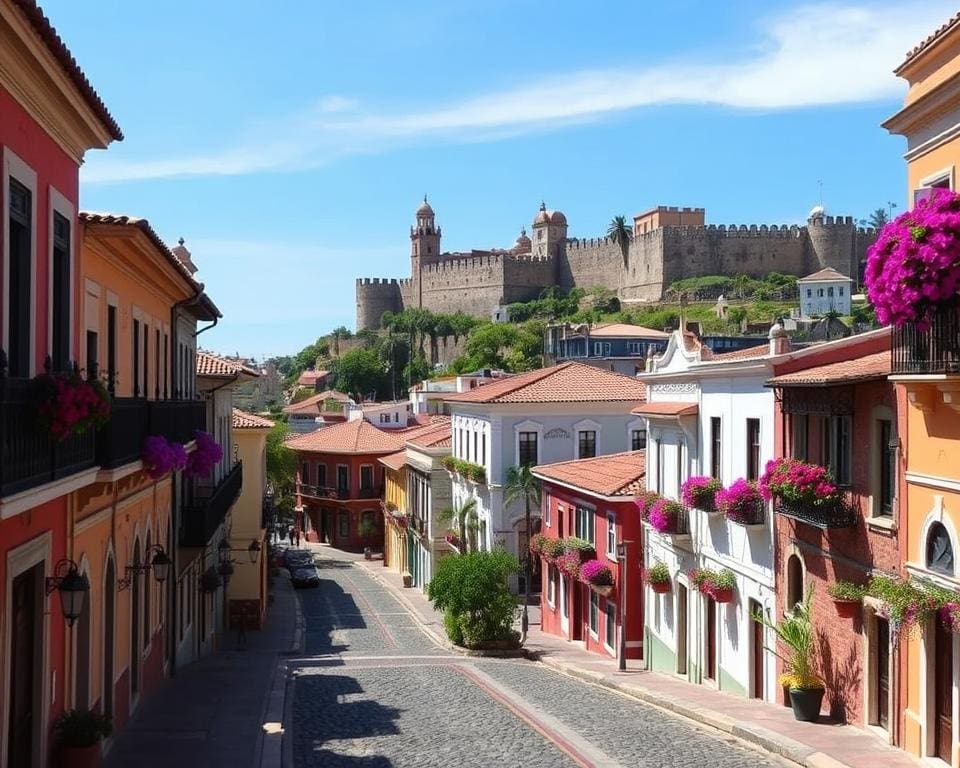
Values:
[(374, 690)]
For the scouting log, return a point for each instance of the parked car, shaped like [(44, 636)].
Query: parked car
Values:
[(296, 558), (305, 577)]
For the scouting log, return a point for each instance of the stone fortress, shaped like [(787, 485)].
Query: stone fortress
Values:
[(668, 244)]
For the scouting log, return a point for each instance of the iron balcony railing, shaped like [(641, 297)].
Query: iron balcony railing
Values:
[(754, 514), (932, 350), (177, 420), (837, 514), (341, 493), (200, 520), (133, 419)]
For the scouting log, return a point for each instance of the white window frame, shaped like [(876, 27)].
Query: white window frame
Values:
[(948, 173), (589, 514), (636, 424), (527, 426), (610, 614), (611, 518), (14, 167), (551, 587), (546, 514), (587, 425), (594, 602)]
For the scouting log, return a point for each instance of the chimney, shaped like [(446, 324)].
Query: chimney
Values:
[(183, 256), (779, 340)]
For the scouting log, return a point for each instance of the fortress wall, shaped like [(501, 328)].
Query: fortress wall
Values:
[(642, 277), (374, 297), (525, 277), (472, 285), (590, 262)]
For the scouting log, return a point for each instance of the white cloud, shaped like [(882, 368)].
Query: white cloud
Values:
[(807, 56)]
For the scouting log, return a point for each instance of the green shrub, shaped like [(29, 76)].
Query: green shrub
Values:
[(451, 623), (846, 590), (82, 728)]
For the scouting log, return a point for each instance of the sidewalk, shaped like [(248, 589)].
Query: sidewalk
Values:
[(213, 712), (769, 726)]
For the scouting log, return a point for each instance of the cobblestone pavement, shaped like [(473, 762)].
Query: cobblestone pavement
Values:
[(374, 691)]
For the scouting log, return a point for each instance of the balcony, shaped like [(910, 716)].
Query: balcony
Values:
[(321, 492), (823, 516), (200, 520), (133, 419), (934, 351), (28, 457)]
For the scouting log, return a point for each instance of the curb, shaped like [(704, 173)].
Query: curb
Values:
[(767, 740)]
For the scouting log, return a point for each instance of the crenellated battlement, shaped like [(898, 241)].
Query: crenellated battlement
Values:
[(386, 281)]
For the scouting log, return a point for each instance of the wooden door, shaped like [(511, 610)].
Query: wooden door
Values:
[(756, 648), (26, 648), (943, 693), (711, 640), (577, 626), (883, 672)]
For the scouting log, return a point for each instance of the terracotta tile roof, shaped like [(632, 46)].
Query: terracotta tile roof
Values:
[(434, 437), (619, 474), (761, 350), (626, 330), (825, 274), (569, 382), (244, 420), (312, 404), (866, 368), (394, 461), (693, 344), (666, 409), (44, 29), (220, 367), (932, 38), (352, 437), (309, 378)]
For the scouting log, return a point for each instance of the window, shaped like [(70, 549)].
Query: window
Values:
[(794, 582), (635, 347), (836, 447), (611, 535), (594, 613), (610, 625), (111, 347), (551, 584), (840, 291), (939, 550), (136, 358), (584, 525), (887, 471), (527, 449), (61, 293), (799, 427), (809, 293), (638, 439), (587, 444), (715, 446), (830, 291), (384, 418), (483, 449), (368, 518), (820, 293), (366, 477), (92, 350), (321, 474), (146, 360), (753, 449), (19, 291), (343, 524), (156, 366), (343, 480), (546, 513), (305, 473), (476, 455)]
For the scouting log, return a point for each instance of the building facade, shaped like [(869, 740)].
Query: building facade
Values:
[(618, 347), (825, 292)]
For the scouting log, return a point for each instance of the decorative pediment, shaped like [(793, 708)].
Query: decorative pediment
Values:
[(556, 433)]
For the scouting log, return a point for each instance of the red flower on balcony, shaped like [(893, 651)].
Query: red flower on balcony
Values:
[(70, 405)]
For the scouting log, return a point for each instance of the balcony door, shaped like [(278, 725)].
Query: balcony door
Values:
[(343, 480), (26, 677), (20, 279), (943, 693), (710, 668)]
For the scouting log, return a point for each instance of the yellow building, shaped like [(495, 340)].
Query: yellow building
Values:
[(395, 512), (926, 364), (247, 590)]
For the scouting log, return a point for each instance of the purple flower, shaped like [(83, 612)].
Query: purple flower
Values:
[(740, 501), (699, 491), (596, 573)]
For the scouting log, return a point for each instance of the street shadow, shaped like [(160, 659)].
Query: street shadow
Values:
[(328, 609), (322, 717)]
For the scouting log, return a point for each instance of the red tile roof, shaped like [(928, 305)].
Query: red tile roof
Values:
[(394, 461), (48, 35), (309, 378), (666, 409), (826, 274), (437, 436), (866, 368), (312, 404), (569, 382), (358, 436), (619, 474), (932, 38), (244, 420), (750, 353), (211, 365)]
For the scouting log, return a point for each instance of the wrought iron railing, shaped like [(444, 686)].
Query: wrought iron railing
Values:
[(322, 491), (200, 520), (133, 419), (837, 514), (933, 350), (754, 513), (177, 420)]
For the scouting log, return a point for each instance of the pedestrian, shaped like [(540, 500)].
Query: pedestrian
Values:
[(291, 536), (298, 536)]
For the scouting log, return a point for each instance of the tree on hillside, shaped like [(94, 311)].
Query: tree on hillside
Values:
[(360, 372), (878, 218), (522, 486), (619, 232), (337, 334)]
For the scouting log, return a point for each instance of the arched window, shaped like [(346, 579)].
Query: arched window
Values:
[(939, 550), (794, 581), (147, 585)]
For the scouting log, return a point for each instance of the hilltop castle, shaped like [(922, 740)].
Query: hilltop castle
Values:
[(668, 244)]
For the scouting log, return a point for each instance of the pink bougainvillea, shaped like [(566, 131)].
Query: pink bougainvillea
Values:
[(740, 502), (596, 573), (950, 615), (914, 266), (161, 456), (70, 405), (205, 457), (569, 562), (663, 515), (798, 481), (699, 491)]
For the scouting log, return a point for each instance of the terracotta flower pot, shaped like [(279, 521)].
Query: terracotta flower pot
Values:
[(660, 587), (80, 757), (722, 595), (847, 609), (602, 589)]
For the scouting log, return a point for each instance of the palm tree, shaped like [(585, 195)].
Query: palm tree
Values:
[(521, 484), (339, 333), (878, 218), (463, 518), (619, 232)]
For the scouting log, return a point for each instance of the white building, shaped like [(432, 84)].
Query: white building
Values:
[(393, 414), (429, 395), (564, 412), (823, 292)]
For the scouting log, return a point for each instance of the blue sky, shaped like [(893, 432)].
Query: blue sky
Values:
[(290, 142)]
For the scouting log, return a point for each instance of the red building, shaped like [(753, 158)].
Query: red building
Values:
[(593, 499), (836, 409), (340, 481), (49, 117)]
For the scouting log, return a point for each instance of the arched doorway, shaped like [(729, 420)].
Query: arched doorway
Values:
[(81, 695), (147, 589), (109, 621), (135, 608)]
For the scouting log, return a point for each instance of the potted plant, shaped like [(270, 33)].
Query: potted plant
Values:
[(452, 539), (949, 614), (584, 549), (658, 576), (569, 563), (477, 474), (798, 650), (665, 516), (537, 543), (906, 605), (720, 585), (449, 463), (210, 581), (799, 484), (551, 549), (68, 404), (367, 530), (741, 503), (598, 577), (644, 501), (699, 491), (79, 733), (847, 598)]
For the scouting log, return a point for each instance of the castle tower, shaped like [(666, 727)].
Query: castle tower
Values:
[(833, 243), (549, 233), (424, 237)]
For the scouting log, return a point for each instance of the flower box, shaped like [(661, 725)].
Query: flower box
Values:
[(721, 594), (69, 405), (598, 576), (669, 517), (741, 503), (700, 492), (847, 609), (604, 590), (660, 587)]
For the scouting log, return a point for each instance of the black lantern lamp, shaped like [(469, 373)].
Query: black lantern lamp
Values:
[(224, 549), (254, 550), (160, 565), (73, 587)]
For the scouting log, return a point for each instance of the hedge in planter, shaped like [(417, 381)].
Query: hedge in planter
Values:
[(847, 597), (658, 576)]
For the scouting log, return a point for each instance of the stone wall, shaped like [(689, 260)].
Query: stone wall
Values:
[(374, 297), (473, 285)]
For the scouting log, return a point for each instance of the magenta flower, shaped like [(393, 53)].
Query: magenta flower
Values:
[(740, 502), (699, 491), (596, 573), (663, 515)]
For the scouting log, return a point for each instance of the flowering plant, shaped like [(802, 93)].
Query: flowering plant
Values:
[(451, 538), (906, 605), (658, 574), (664, 514), (569, 562), (699, 491), (846, 591), (70, 405), (206, 455), (644, 501), (913, 267), (713, 583), (537, 542), (160, 456), (583, 548), (798, 481), (741, 502), (551, 549), (950, 615), (596, 573)]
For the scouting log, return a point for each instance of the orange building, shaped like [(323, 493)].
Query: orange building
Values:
[(926, 367)]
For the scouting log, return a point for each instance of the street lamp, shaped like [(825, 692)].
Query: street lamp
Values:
[(622, 560), (73, 587), (160, 565), (224, 549)]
